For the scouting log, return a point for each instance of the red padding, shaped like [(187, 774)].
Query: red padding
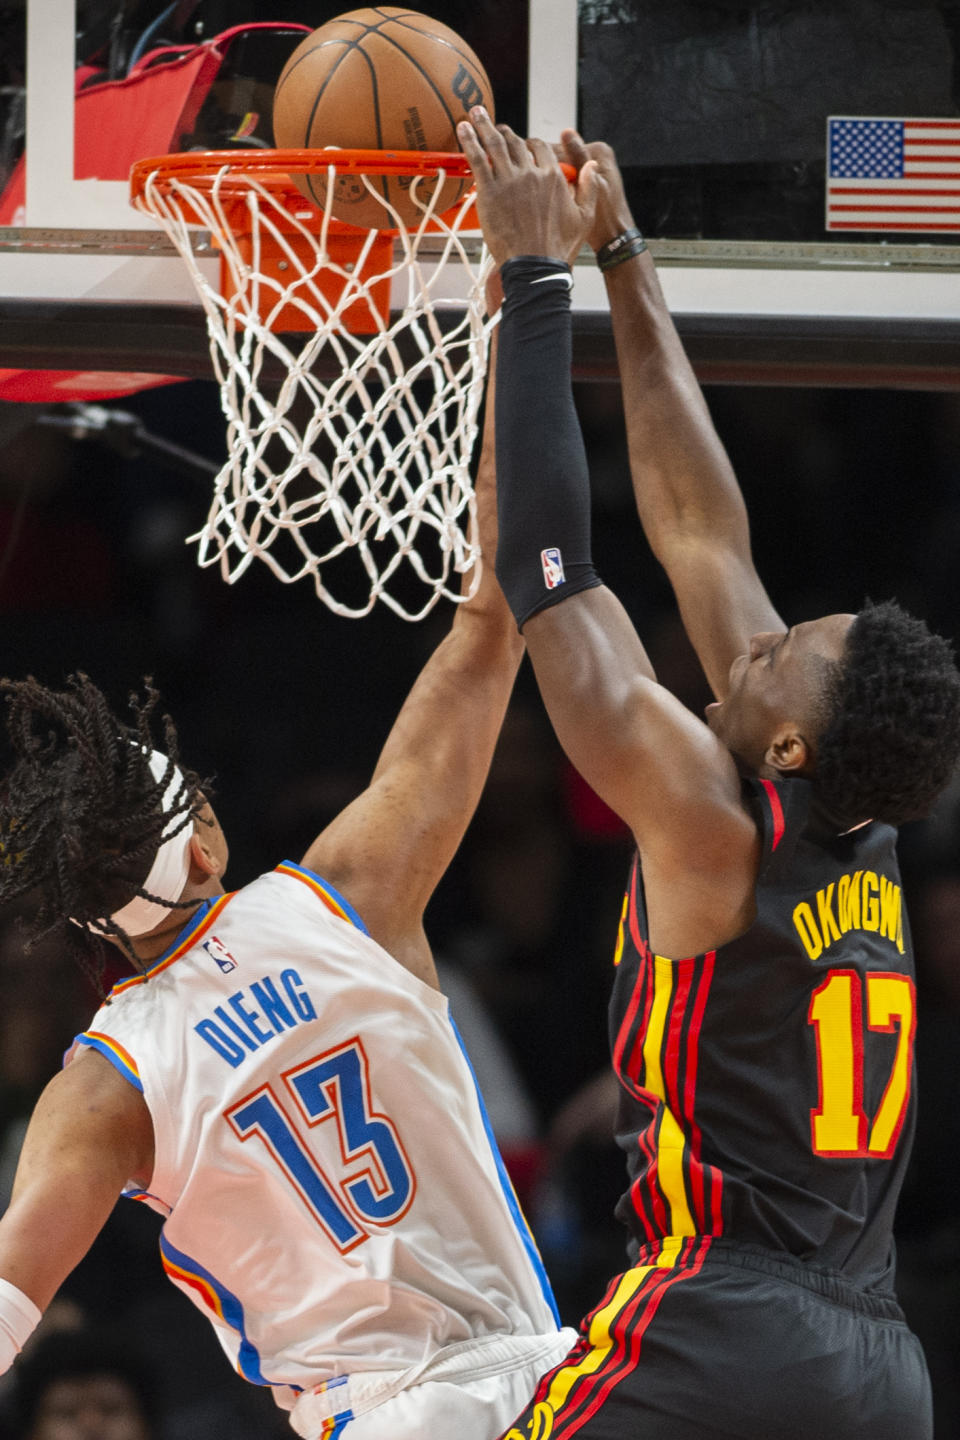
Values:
[(118, 122), (60, 386)]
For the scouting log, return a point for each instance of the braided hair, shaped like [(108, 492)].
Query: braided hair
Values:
[(81, 814), (891, 738)]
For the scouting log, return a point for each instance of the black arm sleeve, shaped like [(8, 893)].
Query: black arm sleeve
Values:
[(543, 486)]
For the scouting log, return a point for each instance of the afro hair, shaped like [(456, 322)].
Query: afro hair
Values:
[(890, 742)]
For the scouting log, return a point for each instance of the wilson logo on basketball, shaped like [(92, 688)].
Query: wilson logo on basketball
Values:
[(379, 78), (466, 89)]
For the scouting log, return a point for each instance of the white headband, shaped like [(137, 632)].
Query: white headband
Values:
[(170, 868)]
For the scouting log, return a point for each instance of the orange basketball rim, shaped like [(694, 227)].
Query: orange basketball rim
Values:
[(216, 190)]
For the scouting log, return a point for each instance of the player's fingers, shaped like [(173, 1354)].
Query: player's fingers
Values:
[(490, 137), (474, 151), (542, 154), (516, 148), (588, 187), (574, 148), (489, 134)]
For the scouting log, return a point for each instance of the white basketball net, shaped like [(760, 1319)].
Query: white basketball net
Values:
[(348, 454)]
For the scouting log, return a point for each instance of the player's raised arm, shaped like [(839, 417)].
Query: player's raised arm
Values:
[(687, 495), (388, 850), (660, 768)]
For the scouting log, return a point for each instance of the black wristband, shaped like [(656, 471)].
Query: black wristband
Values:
[(534, 265), (543, 487), (622, 247)]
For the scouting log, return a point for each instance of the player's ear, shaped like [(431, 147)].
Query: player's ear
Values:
[(788, 751), (202, 857), (208, 847)]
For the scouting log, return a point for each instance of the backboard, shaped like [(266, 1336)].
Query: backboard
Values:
[(718, 113)]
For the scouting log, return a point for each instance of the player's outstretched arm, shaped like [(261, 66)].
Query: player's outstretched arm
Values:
[(388, 850), (89, 1134), (687, 495), (661, 769)]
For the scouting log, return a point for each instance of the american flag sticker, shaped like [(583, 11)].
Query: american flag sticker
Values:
[(552, 562), (885, 174)]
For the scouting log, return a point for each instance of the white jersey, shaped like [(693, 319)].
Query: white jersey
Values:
[(334, 1199)]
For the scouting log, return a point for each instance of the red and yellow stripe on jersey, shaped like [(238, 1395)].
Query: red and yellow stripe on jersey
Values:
[(335, 903), (655, 1056), (115, 1053), (333, 1428), (189, 1274), (610, 1344)]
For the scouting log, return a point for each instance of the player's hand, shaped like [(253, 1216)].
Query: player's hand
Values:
[(525, 203), (612, 213)]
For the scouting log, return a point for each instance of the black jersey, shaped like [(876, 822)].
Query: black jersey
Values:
[(767, 1088)]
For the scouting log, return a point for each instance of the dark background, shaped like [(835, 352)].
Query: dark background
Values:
[(852, 494)]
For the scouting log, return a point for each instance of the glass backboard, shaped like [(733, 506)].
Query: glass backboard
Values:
[(718, 111)]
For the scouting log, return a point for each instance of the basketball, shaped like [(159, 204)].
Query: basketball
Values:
[(382, 78)]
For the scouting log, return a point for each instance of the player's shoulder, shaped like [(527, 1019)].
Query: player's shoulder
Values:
[(91, 1083), (299, 881)]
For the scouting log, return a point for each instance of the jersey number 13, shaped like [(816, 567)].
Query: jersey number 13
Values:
[(374, 1184)]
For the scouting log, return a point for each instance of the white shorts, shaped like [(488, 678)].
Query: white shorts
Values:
[(472, 1391)]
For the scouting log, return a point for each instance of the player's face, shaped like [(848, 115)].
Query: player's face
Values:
[(774, 687)]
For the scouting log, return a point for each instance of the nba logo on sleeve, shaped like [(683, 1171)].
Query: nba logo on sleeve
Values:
[(552, 562)]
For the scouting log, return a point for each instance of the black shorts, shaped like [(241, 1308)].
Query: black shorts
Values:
[(739, 1343)]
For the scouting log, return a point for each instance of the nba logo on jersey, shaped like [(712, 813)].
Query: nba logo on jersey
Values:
[(220, 954), (552, 562)]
